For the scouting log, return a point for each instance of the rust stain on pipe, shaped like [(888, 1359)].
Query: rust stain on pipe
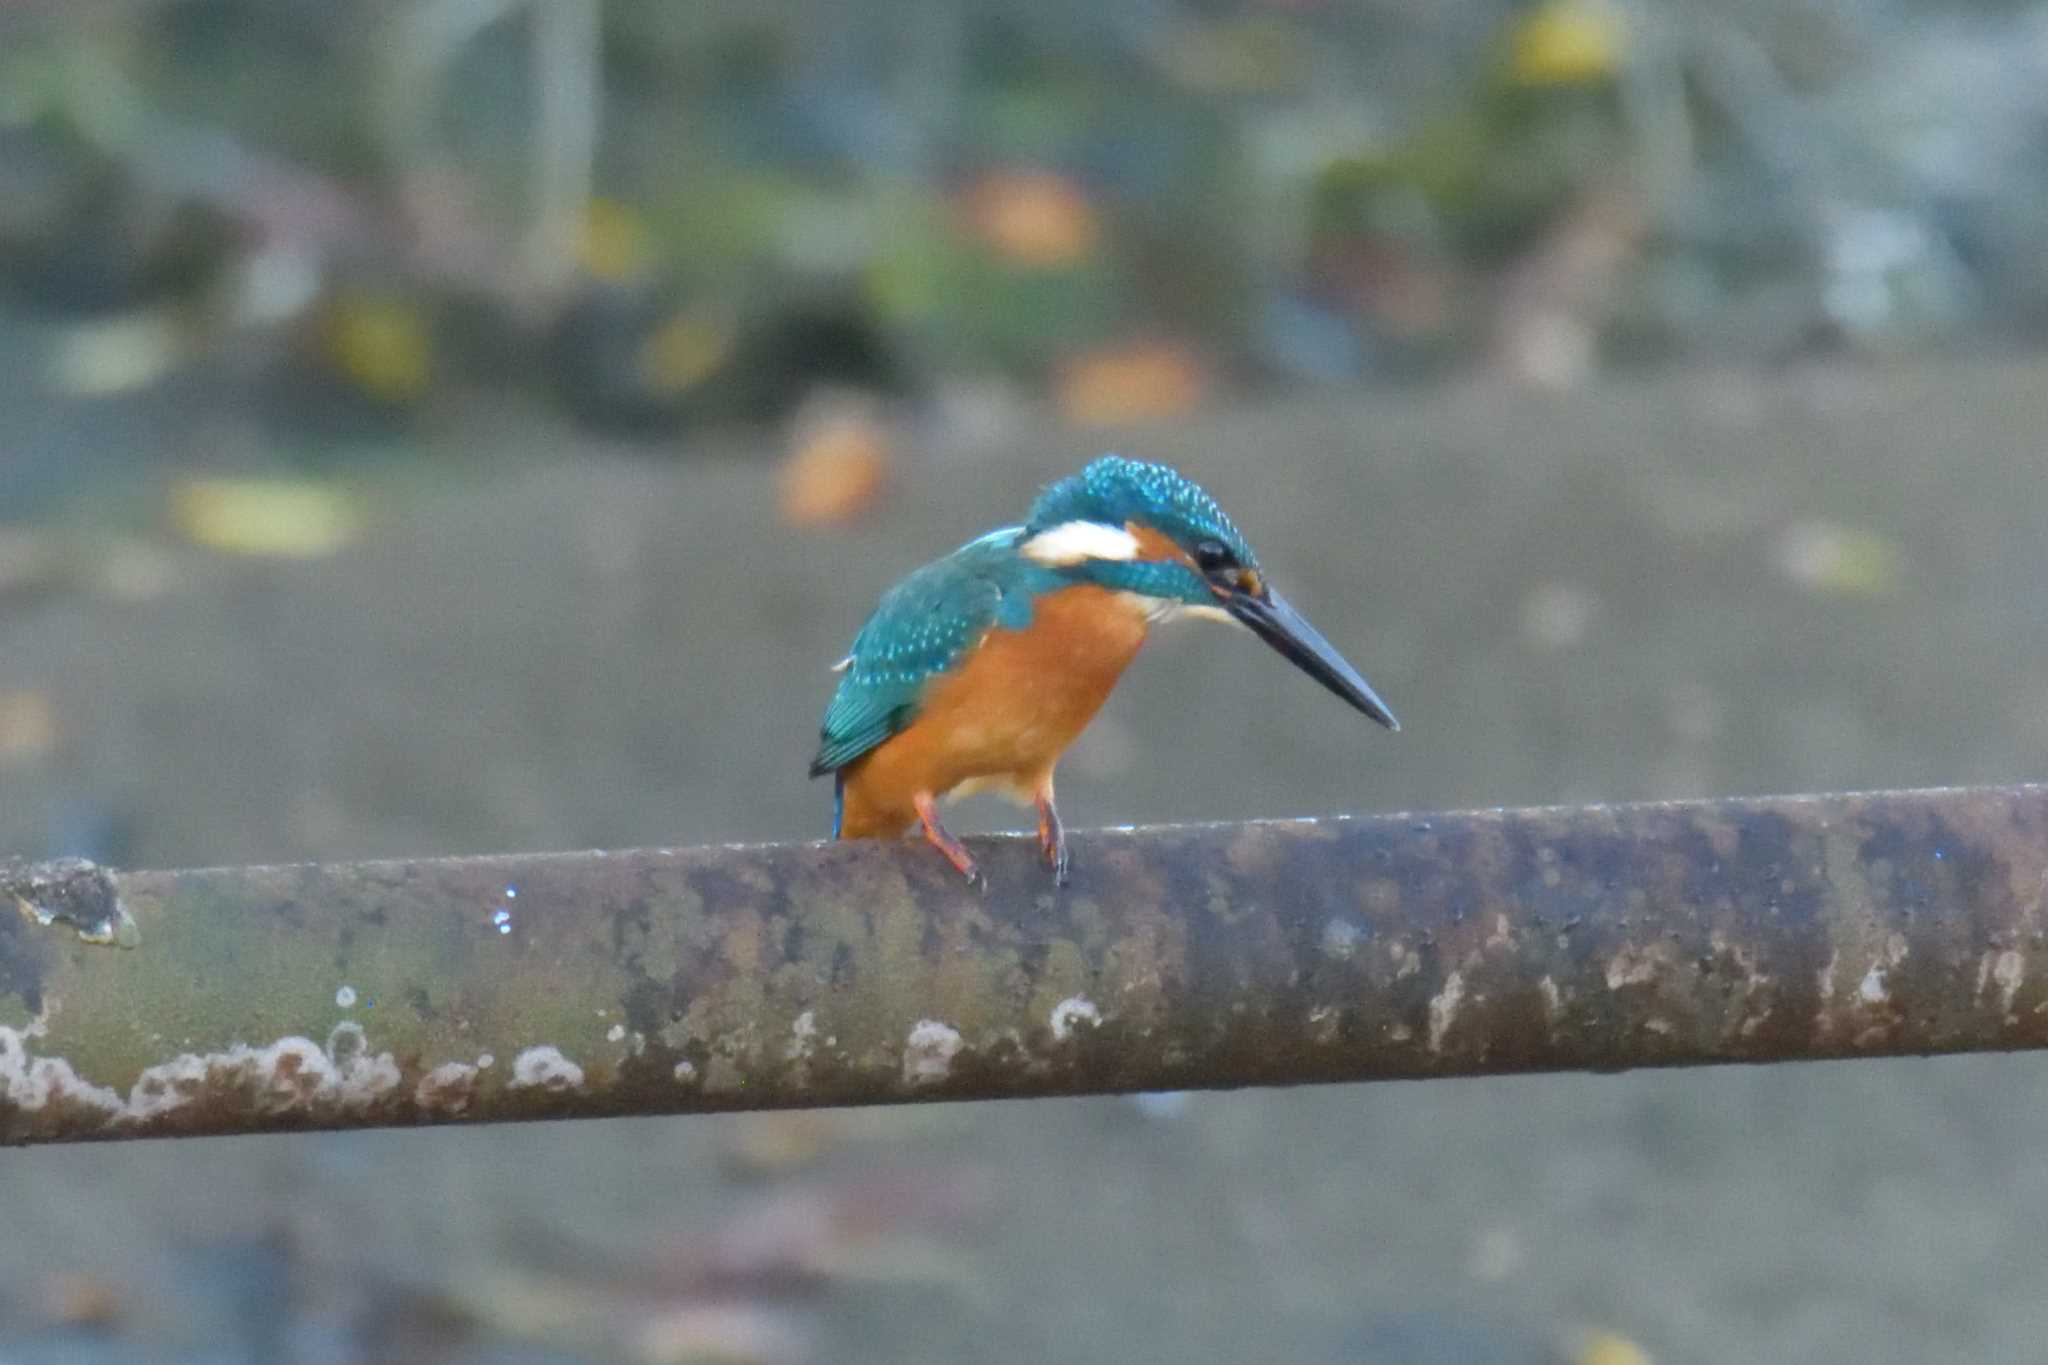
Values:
[(1278, 953)]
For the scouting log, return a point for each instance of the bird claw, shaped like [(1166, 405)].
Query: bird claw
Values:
[(1056, 859), (1052, 841)]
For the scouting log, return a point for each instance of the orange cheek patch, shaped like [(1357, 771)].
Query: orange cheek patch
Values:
[(1155, 545)]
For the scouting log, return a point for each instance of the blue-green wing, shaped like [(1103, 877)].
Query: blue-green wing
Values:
[(924, 625)]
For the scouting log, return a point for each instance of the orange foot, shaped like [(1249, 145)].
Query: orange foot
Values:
[(940, 839)]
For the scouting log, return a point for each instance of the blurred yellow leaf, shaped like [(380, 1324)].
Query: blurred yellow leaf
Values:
[(28, 560), (264, 518), (28, 728), (613, 246), (1605, 1348), (133, 570), (119, 355), (737, 1333), (1257, 56), (1565, 42), (1141, 382), (779, 1143), (381, 343), (1841, 561), (682, 352)]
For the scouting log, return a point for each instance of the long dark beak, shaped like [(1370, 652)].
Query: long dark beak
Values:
[(1282, 627)]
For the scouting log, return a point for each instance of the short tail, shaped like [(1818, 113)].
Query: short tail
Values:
[(838, 802)]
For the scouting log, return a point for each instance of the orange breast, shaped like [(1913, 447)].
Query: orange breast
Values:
[(1006, 714)]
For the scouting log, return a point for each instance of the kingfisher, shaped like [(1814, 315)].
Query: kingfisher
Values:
[(979, 670)]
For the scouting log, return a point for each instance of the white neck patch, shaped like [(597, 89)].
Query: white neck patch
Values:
[(1158, 611), (1071, 542)]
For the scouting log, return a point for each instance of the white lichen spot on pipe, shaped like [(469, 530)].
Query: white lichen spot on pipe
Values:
[(1073, 1010), (1325, 1022), (1341, 938), (1631, 968), (291, 1075), (803, 1036), (449, 1088), (929, 1051), (32, 1083), (1443, 1009), (2010, 972), (1871, 990), (546, 1068)]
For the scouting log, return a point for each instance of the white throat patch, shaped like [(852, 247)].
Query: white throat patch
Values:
[(1158, 611), (1071, 542)]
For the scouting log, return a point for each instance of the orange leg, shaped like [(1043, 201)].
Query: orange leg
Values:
[(955, 851), (1052, 835)]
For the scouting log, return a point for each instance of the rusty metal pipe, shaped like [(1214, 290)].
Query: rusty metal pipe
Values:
[(583, 984)]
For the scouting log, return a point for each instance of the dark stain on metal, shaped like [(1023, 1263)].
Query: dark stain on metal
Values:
[(25, 953), (72, 892)]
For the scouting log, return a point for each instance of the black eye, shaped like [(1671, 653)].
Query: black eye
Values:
[(1212, 555)]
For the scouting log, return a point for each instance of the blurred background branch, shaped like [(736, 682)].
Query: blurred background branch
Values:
[(1063, 200)]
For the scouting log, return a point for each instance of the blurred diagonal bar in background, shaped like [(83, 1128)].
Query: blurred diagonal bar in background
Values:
[(1268, 953)]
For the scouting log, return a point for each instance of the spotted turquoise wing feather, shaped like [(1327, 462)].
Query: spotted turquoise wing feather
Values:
[(924, 626)]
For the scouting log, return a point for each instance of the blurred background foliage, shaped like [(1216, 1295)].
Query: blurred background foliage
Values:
[(660, 214), (430, 425)]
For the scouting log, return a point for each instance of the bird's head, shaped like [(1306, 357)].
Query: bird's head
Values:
[(1149, 530)]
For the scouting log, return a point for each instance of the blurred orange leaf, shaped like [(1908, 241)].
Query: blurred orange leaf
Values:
[(838, 465), (1145, 381), (79, 1300), (1035, 219)]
